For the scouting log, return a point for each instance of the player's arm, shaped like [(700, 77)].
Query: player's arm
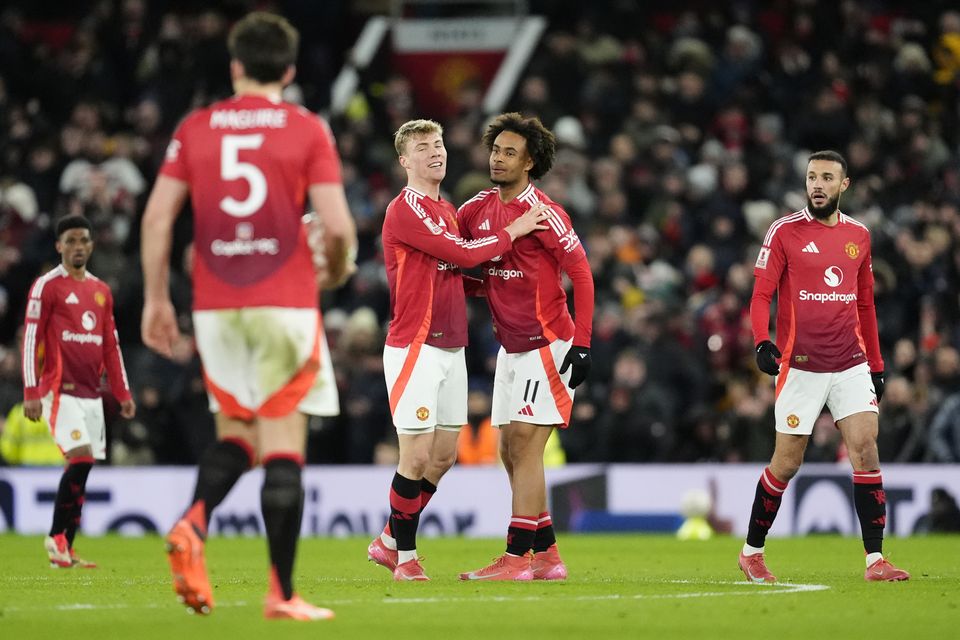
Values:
[(473, 287), (113, 362), (339, 232), (325, 191), (767, 272), (583, 300), (583, 293), (561, 240), (867, 314), (159, 325), (39, 310), (420, 232)]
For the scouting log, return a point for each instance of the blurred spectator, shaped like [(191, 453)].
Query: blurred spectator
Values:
[(944, 441), (27, 443), (944, 514), (903, 434), (479, 441)]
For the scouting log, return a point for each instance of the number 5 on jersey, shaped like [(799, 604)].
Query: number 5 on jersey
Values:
[(232, 169)]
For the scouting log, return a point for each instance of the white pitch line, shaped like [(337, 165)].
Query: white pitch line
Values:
[(749, 590), (752, 590)]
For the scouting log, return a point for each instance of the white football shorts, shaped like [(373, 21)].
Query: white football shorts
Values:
[(801, 396), (528, 387), (76, 422), (266, 361), (427, 387)]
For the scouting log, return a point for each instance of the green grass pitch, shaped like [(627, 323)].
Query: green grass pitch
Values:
[(629, 586)]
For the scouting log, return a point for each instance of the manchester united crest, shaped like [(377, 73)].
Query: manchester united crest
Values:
[(793, 421), (100, 299), (423, 413), (852, 250), (75, 434)]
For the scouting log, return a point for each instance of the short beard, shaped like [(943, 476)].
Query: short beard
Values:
[(824, 212)]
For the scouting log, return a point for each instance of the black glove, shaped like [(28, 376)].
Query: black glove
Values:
[(579, 359), (877, 383), (767, 354)]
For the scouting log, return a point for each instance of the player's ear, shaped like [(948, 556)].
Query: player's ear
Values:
[(236, 70), (289, 75), (403, 162), (844, 184)]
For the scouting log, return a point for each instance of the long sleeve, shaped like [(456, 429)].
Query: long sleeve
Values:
[(867, 313), (583, 301), (113, 359), (39, 309), (415, 227), (763, 289), (454, 249)]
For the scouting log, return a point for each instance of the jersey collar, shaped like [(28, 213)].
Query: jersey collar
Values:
[(520, 196)]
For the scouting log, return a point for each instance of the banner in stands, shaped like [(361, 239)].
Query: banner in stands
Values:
[(475, 501), (439, 56)]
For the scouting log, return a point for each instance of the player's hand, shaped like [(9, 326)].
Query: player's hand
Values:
[(336, 280), (532, 220), (158, 326), (878, 384), (474, 287), (767, 355), (313, 228), (32, 409), (128, 408), (579, 359)]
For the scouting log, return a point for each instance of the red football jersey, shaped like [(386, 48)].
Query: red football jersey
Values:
[(249, 161), (523, 287), (70, 338), (423, 253), (824, 281)]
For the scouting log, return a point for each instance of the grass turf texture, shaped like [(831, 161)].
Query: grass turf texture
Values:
[(620, 586)]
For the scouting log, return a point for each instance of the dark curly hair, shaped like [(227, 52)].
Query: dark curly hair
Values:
[(541, 143)]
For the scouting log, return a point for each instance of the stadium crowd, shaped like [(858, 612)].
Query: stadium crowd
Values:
[(684, 129)]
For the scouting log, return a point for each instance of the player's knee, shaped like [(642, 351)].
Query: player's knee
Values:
[(282, 484), (443, 461), (417, 462), (864, 453), (784, 469)]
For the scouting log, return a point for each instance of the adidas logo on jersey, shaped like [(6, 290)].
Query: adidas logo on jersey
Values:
[(526, 411), (485, 225), (72, 298), (810, 248)]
